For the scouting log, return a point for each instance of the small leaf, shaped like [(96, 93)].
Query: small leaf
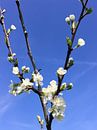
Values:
[(89, 11), (69, 86), (69, 42)]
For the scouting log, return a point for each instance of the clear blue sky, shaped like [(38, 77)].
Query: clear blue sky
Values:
[(47, 31)]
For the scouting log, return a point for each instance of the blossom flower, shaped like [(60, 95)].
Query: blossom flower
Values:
[(26, 82), (37, 78), (67, 19), (13, 27), (18, 88), (61, 71), (72, 17), (15, 88), (25, 69), (49, 91), (81, 42), (11, 57), (58, 107), (15, 70), (53, 83)]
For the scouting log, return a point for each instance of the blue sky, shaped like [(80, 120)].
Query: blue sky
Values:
[(47, 31)]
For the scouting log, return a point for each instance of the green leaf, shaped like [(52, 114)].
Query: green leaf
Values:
[(69, 86), (69, 42), (63, 87), (89, 11)]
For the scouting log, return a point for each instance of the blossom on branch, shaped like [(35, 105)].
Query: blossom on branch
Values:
[(61, 71), (13, 27), (11, 57), (72, 17), (26, 82), (18, 88), (81, 42), (15, 70), (37, 78), (25, 69), (57, 108)]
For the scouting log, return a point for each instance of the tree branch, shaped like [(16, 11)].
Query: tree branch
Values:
[(68, 54), (26, 36), (30, 55)]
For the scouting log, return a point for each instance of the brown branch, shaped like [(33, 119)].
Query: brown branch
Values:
[(44, 109), (68, 54), (30, 56), (34, 90), (6, 36), (26, 36), (70, 48)]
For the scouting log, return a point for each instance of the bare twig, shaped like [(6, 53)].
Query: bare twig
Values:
[(26, 36)]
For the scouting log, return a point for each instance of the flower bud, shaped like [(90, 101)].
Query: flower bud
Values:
[(13, 27), (81, 42), (70, 62), (67, 20), (72, 17), (15, 70), (63, 87), (69, 86), (61, 71), (38, 118)]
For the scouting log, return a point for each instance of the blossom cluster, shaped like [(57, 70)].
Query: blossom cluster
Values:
[(58, 107), (26, 83), (58, 103), (49, 93), (18, 88), (73, 25)]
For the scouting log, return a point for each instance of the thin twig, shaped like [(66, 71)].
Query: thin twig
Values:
[(26, 36), (6, 36)]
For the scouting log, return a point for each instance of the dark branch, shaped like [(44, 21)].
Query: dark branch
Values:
[(30, 55), (26, 36)]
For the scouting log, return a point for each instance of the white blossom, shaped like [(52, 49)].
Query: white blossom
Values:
[(49, 91), (26, 82), (18, 88), (67, 19), (81, 42), (25, 69), (53, 83), (58, 108), (13, 27), (72, 17), (15, 70), (37, 78), (11, 57), (61, 71)]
